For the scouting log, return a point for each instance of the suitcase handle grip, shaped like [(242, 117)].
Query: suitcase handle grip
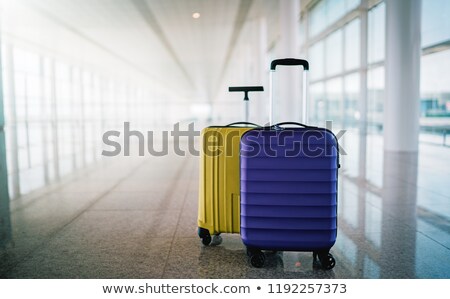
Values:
[(289, 61), (243, 123), (245, 89)]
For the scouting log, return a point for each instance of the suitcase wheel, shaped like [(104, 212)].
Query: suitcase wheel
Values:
[(206, 240), (328, 262), (256, 257), (325, 260), (204, 235), (216, 240)]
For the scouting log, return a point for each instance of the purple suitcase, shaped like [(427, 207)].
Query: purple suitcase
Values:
[(289, 187)]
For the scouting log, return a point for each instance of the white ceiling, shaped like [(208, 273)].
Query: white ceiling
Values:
[(157, 38)]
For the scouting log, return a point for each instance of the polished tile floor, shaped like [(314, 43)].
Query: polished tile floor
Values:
[(136, 218)]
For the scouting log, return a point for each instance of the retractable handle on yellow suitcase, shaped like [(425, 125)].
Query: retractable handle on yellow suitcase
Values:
[(246, 90), (290, 62)]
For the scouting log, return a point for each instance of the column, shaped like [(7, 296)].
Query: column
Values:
[(5, 220), (401, 107), (401, 126)]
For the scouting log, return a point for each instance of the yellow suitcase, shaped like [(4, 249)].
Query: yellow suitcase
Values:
[(219, 190)]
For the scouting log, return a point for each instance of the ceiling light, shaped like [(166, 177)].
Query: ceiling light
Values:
[(196, 15)]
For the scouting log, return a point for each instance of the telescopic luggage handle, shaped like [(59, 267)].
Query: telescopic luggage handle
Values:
[(290, 62), (246, 90)]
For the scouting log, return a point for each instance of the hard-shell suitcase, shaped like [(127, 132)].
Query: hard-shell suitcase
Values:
[(289, 177), (219, 192)]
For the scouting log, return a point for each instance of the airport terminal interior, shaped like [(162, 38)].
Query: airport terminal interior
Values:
[(73, 71)]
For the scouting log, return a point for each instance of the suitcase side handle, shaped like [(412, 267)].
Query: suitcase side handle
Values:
[(289, 61), (246, 90), (245, 123)]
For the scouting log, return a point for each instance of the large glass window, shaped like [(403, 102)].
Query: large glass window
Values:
[(335, 90), (435, 97), (333, 101), (316, 58), (335, 10), (351, 99), (375, 104), (352, 44), (28, 127), (335, 78), (375, 99), (435, 84), (317, 18), (435, 22), (339, 87), (63, 108), (376, 33), (317, 103), (350, 141), (55, 114), (333, 45), (326, 12)]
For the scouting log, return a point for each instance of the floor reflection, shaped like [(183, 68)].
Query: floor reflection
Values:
[(399, 201), (384, 232), (230, 261), (133, 218), (5, 221)]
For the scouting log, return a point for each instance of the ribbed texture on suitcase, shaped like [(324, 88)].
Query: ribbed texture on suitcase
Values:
[(219, 204), (288, 195)]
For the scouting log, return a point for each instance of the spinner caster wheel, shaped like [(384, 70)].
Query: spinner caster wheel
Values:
[(216, 240), (257, 259), (205, 236), (328, 262), (324, 260)]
